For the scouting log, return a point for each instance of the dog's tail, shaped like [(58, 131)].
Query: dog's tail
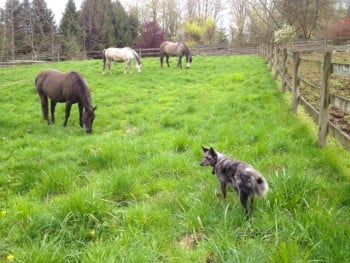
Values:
[(261, 185)]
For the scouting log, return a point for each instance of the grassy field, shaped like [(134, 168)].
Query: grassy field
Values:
[(133, 190)]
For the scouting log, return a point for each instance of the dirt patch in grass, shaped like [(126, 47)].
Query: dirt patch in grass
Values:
[(190, 242)]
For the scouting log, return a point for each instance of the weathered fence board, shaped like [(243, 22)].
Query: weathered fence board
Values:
[(312, 111), (340, 102), (341, 69), (286, 64), (344, 139)]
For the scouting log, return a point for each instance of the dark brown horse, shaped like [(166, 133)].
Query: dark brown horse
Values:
[(70, 87), (167, 49)]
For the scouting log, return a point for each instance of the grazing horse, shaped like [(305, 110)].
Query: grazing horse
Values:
[(70, 87), (175, 49), (125, 54)]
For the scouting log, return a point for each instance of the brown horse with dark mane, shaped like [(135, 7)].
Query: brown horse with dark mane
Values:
[(168, 48), (70, 87)]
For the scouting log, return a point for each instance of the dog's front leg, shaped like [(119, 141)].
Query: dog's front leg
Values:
[(223, 189), (251, 202)]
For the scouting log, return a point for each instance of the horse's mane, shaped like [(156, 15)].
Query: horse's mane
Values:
[(187, 50), (83, 89), (136, 56)]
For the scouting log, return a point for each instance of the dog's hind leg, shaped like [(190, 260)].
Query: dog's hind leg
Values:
[(243, 196), (223, 189)]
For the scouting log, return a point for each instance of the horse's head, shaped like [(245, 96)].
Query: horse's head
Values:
[(138, 67), (188, 56), (188, 60), (88, 119)]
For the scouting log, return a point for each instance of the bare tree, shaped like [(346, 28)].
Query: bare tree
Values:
[(171, 17), (239, 10), (200, 10), (304, 15), (153, 7)]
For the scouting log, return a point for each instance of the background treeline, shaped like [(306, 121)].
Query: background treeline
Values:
[(28, 28)]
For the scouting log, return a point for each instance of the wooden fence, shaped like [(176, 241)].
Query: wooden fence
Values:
[(144, 52), (296, 71), (205, 51)]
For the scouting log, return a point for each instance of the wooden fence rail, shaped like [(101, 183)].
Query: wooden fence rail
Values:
[(286, 65), (144, 52)]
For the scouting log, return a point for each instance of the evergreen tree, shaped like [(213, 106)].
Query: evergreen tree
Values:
[(120, 26), (13, 14), (27, 28), (106, 24), (69, 30), (134, 25), (2, 34), (44, 29), (91, 23)]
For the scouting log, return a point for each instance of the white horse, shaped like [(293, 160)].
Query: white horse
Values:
[(125, 54)]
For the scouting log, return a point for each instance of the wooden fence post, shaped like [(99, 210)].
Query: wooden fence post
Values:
[(324, 100), (270, 56), (276, 63), (295, 91), (284, 70)]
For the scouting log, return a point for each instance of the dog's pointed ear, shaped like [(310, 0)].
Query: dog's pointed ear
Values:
[(205, 149), (212, 151)]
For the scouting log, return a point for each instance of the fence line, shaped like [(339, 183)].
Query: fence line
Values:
[(143, 52), (286, 64)]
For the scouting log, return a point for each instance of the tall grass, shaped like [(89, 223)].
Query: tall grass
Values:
[(133, 190)]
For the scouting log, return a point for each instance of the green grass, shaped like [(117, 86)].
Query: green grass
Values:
[(133, 190)]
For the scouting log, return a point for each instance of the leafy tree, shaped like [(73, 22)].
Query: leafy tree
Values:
[(194, 32), (210, 32), (285, 34), (151, 37), (339, 31), (203, 34)]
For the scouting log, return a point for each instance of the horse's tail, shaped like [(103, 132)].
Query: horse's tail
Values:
[(38, 82)]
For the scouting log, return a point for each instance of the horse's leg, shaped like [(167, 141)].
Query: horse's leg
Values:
[(104, 67), (53, 106), (44, 107), (129, 66), (108, 63), (125, 66), (179, 62), (161, 60), (167, 60), (68, 106), (80, 106)]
